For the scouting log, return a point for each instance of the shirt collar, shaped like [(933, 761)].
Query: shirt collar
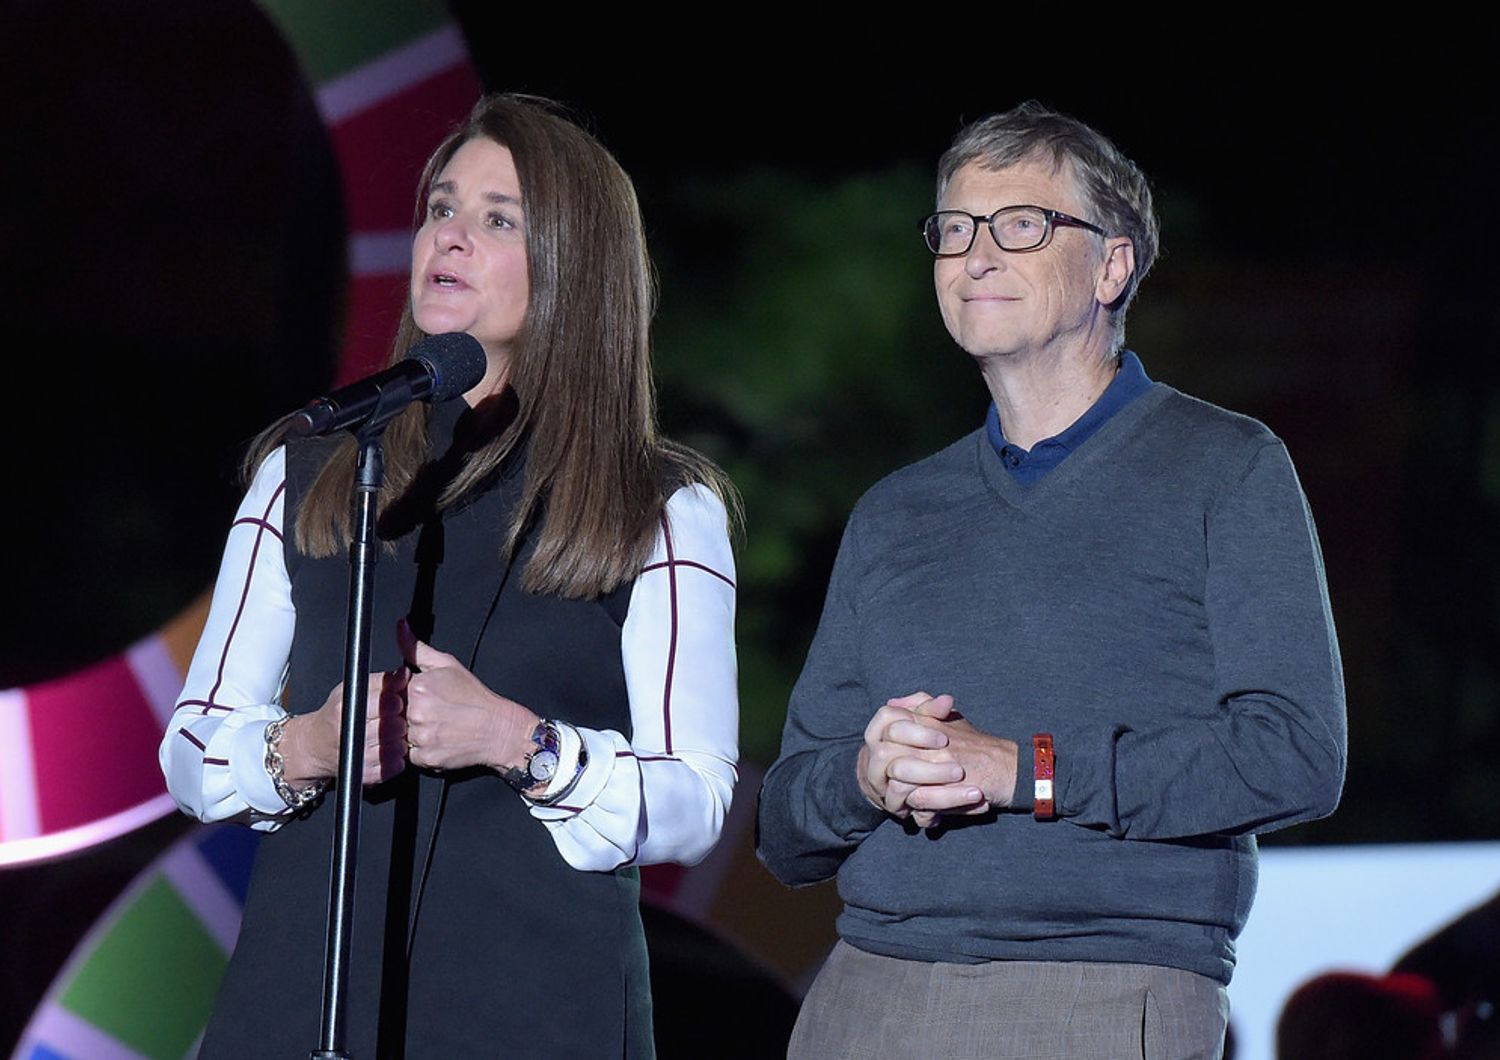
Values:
[(1129, 383)]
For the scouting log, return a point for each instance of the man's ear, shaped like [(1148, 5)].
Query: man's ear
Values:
[(1115, 273)]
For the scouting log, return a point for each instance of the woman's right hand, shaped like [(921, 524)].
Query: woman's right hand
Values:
[(310, 744)]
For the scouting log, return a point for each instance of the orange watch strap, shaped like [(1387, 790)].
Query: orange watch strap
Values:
[(1044, 761)]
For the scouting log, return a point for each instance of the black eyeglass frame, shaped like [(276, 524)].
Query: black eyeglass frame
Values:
[(1050, 219)]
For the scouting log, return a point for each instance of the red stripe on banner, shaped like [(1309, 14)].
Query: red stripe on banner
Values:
[(373, 311), (94, 738), (381, 150)]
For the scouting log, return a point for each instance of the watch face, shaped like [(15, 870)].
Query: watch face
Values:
[(543, 766)]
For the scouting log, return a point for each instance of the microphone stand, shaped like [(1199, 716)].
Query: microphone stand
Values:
[(363, 550)]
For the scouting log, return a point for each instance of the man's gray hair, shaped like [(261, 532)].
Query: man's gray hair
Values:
[(1115, 192)]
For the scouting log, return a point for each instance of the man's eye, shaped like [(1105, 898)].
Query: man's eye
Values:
[(1022, 227)]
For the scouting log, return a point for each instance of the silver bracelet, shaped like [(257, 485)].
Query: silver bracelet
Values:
[(276, 768)]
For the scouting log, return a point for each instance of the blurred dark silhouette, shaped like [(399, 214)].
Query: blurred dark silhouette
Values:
[(1462, 960), (1354, 1016)]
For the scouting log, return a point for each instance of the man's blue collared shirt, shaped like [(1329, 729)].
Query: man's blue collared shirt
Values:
[(1129, 383)]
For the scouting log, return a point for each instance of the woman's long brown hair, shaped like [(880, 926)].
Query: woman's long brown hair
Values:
[(597, 471)]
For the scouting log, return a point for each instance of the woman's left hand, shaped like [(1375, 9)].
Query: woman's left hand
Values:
[(453, 720)]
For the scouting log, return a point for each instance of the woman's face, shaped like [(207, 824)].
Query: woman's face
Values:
[(468, 262)]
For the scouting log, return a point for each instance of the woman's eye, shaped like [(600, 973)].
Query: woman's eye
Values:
[(439, 211), (499, 220)]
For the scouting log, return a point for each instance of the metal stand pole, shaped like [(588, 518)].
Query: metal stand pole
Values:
[(363, 551)]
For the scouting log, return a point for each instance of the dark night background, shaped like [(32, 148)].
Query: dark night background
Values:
[(174, 263)]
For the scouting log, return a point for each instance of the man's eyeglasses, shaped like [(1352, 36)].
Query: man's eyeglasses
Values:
[(950, 233)]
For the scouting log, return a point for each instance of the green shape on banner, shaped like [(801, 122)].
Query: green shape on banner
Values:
[(151, 980), (332, 39)]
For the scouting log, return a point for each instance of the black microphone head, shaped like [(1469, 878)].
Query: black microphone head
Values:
[(456, 360)]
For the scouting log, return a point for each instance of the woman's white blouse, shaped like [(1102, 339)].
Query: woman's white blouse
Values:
[(660, 796)]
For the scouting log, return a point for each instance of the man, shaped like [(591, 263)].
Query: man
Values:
[(1067, 667)]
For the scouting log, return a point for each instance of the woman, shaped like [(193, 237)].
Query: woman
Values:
[(559, 578)]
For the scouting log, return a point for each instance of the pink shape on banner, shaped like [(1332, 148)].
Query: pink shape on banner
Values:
[(381, 150), (93, 734), (374, 309)]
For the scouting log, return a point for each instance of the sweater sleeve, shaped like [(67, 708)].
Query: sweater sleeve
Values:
[(1268, 750), (662, 795), (213, 753), (812, 814)]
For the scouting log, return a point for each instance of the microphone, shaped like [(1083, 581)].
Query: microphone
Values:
[(438, 368)]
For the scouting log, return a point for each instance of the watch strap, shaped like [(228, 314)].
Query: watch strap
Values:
[(1044, 764)]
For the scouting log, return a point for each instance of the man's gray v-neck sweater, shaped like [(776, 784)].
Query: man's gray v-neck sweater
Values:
[(1156, 603)]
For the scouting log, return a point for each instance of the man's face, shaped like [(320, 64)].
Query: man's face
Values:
[(1002, 304)]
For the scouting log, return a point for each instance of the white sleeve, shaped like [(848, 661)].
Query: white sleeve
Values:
[(213, 753), (663, 795)]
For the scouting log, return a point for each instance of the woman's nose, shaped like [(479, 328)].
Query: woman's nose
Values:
[(452, 235)]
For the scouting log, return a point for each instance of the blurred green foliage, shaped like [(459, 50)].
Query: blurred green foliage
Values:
[(798, 343)]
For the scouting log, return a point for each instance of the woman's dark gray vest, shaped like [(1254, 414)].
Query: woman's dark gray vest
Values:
[(472, 937)]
